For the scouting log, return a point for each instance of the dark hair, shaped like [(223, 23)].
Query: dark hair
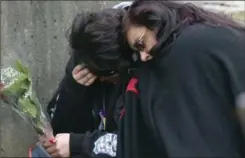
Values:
[(96, 40), (169, 17)]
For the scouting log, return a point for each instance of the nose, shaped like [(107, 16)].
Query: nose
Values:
[(145, 56)]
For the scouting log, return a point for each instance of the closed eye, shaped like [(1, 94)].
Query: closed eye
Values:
[(139, 45)]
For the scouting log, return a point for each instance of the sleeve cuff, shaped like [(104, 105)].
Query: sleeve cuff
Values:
[(76, 141)]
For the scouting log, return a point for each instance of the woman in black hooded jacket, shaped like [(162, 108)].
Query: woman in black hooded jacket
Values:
[(80, 112), (189, 94)]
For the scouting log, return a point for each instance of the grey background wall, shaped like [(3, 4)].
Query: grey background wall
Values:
[(35, 32)]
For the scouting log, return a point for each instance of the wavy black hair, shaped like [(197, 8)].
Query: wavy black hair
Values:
[(96, 39), (169, 17)]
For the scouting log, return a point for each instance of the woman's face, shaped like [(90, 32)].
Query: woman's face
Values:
[(141, 40)]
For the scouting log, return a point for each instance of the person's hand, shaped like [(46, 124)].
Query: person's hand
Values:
[(48, 136), (61, 146), (83, 75)]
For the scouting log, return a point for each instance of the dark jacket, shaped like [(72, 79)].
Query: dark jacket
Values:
[(182, 104), (75, 109)]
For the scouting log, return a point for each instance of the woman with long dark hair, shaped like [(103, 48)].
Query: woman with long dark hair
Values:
[(189, 94)]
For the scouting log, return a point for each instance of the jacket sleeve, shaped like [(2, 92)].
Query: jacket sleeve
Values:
[(70, 105), (94, 144), (101, 144)]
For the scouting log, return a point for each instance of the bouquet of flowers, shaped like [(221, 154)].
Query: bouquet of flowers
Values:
[(16, 91)]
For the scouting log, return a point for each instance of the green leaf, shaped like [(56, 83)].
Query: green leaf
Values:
[(25, 85), (18, 86), (21, 68), (28, 108)]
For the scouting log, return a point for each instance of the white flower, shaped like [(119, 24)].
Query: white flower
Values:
[(9, 76)]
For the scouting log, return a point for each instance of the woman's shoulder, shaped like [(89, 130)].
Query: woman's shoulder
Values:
[(205, 34), (199, 43), (208, 40)]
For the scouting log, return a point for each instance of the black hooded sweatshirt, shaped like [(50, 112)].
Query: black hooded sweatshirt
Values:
[(75, 109), (183, 103)]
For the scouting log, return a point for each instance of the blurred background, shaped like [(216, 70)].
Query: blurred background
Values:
[(34, 31)]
